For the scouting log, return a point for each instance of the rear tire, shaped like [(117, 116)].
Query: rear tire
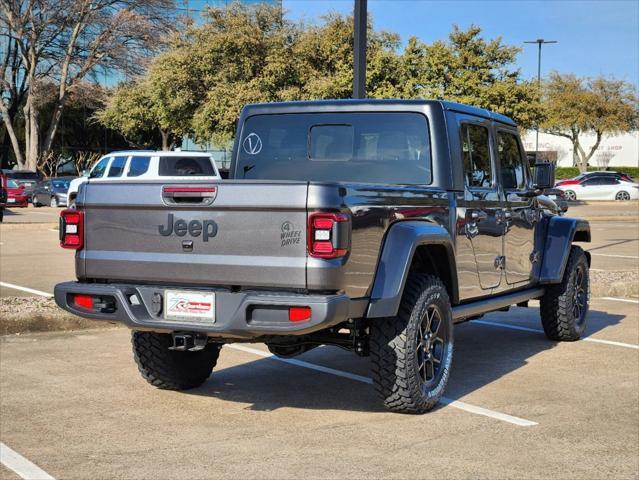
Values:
[(171, 369), (622, 196), (564, 306), (412, 353)]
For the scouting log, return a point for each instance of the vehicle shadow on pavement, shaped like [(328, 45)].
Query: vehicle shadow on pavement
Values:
[(483, 354)]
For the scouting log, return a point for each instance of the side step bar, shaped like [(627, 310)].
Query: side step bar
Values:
[(468, 310)]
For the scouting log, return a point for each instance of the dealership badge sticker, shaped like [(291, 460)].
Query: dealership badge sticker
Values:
[(252, 144), (195, 306)]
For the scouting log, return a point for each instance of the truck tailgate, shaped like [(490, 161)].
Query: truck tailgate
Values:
[(230, 233)]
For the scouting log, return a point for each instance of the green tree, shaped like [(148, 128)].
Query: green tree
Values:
[(469, 69), (600, 106), (128, 110), (246, 54)]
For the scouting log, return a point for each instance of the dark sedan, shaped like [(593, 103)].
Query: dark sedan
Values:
[(52, 192)]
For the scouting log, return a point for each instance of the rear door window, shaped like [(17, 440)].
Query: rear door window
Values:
[(186, 167), (511, 162), (138, 166), (117, 166), (476, 156)]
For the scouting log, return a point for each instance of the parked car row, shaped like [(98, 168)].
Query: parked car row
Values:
[(599, 186), (18, 188), (22, 187)]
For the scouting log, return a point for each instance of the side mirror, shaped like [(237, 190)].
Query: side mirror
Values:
[(544, 175)]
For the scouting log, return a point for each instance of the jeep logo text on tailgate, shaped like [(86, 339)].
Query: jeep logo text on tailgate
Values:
[(195, 228)]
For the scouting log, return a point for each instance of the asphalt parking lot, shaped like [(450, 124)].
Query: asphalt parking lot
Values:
[(518, 405)]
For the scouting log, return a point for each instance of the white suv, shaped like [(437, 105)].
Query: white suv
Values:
[(143, 165)]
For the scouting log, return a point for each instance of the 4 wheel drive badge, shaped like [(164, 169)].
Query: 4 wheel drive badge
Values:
[(252, 144)]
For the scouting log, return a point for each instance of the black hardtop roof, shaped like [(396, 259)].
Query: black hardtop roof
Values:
[(315, 106)]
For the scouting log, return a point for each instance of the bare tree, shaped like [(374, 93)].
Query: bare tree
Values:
[(65, 41), (48, 164), (84, 160)]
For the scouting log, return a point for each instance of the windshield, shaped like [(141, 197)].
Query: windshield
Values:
[(12, 184), (336, 147), (60, 184)]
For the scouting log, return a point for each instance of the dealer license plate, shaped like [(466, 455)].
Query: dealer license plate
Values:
[(189, 306)]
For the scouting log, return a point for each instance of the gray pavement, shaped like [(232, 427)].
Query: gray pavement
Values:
[(74, 404), (31, 214)]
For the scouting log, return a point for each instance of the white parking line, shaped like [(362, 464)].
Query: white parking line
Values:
[(627, 300), (25, 289), (615, 256), (522, 422), (20, 465), (538, 330)]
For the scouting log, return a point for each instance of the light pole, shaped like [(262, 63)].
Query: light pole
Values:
[(539, 42), (359, 49)]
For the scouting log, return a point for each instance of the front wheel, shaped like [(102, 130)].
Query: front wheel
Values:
[(564, 306), (54, 202), (172, 369), (412, 353), (622, 196), (570, 195)]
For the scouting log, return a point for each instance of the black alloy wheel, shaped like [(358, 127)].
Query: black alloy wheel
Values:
[(432, 340)]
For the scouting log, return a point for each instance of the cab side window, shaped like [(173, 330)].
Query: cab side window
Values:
[(100, 168), (117, 166), (138, 166), (476, 156), (511, 162)]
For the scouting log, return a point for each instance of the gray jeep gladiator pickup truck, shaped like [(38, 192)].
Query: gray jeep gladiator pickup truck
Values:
[(372, 225)]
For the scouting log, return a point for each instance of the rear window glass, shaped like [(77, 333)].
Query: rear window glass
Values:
[(336, 147), (117, 166), (186, 167), (138, 166), (24, 175)]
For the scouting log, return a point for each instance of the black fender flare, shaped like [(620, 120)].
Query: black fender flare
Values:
[(561, 232), (397, 253)]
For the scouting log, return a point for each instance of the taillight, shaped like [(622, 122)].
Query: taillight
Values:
[(328, 235), (72, 229)]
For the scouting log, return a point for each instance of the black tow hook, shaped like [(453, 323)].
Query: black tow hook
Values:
[(191, 342)]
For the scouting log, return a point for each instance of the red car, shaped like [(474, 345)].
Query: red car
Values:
[(16, 195), (585, 176)]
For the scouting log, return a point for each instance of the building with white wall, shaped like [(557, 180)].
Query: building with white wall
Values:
[(614, 151)]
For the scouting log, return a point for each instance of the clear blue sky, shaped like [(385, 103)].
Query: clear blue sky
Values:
[(595, 36)]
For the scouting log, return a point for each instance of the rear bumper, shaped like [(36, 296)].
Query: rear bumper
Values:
[(242, 315), (18, 203)]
